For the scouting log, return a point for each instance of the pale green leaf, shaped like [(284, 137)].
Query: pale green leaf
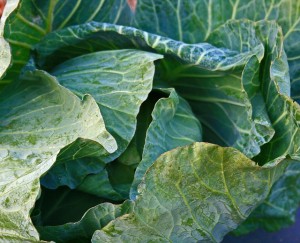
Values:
[(38, 118), (5, 54), (119, 81), (196, 193)]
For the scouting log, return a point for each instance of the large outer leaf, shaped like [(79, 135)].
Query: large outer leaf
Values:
[(211, 78), (198, 192), (82, 231), (173, 125), (119, 81), (37, 120), (33, 19), (193, 21)]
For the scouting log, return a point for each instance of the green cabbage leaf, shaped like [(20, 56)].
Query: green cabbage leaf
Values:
[(148, 121)]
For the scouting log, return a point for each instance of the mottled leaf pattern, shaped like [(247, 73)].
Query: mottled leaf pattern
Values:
[(180, 200), (230, 65), (38, 118), (5, 55)]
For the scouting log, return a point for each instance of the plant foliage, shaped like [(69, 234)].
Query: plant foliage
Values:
[(148, 121)]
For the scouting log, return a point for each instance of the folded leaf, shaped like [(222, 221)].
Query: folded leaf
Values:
[(194, 21), (270, 89), (209, 77), (82, 231), (38, 118), (283, 112), (71, 173), (229, 36), (100, 185), (119, 81), (173, 125)]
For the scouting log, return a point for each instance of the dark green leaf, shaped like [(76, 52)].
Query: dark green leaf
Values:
[(62, 205), (194, 21), (71, 173), (68, 206), (173, 125), (100, 185), (33, 19)]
